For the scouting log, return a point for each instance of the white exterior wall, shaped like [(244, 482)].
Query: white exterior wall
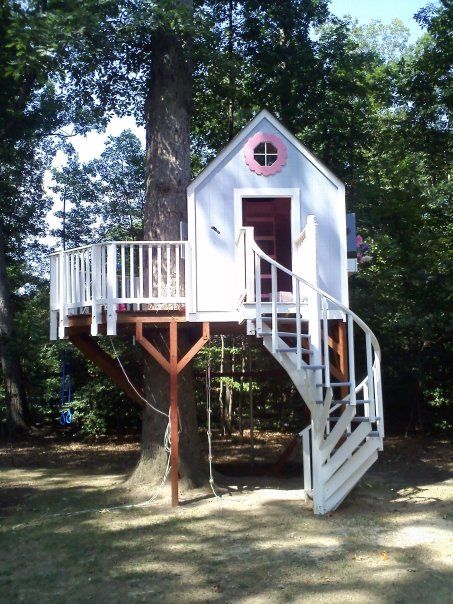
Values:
[(211, 203)]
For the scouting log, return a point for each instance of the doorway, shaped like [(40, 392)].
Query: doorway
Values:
[(270, 218)]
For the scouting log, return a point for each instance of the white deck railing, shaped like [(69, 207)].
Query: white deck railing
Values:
[(114, 277)]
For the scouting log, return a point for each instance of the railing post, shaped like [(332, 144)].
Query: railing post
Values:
[(274, 307), (53, 297), (111, 284), (62, 314), (378, 395), (95, 288), (296, 287), (314, 329), (314, 319), (325, 333), (249, 266), (189, 291), (259, 314), (240, 266), (369, 366), (351, 360)]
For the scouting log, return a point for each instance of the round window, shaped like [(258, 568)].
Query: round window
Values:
[(265, 153)]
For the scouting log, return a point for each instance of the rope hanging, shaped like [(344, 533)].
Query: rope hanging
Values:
[(208, 431)]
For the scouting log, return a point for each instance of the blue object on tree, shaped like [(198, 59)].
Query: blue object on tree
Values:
[(66, 412)]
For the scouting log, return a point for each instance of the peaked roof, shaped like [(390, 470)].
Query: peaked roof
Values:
[(245, 132)]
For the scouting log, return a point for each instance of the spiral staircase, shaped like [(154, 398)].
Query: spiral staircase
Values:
[(346, 430)]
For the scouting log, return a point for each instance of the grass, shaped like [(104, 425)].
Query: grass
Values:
[(390, 541)]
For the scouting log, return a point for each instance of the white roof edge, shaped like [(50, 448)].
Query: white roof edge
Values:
[(264, 113)]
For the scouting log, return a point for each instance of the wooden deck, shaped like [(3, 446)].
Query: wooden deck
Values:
[(126, 321)]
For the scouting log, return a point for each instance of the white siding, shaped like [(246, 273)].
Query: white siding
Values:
[(214, 206)]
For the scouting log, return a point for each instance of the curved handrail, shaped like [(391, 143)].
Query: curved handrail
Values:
[(341, 306), (373, 377)]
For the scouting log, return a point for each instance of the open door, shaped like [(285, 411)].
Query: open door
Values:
[(271, 221)]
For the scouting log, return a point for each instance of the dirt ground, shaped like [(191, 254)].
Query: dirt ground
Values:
[(390, 542)]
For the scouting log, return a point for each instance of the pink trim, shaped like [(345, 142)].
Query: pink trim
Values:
[(264, 137)]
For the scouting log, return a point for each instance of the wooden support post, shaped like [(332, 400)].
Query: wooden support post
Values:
[(174, 413), (173, 367)]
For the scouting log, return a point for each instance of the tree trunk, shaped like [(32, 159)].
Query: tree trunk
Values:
[(167, 115), (16, 403)]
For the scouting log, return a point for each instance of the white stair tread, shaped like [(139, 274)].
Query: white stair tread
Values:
[(334, 385), (357, 419), (302, 350), (292, 334)]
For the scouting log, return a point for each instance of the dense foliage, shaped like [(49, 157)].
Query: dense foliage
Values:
[(375, 109)]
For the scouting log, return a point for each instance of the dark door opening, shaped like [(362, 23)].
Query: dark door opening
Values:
[(271, 221)]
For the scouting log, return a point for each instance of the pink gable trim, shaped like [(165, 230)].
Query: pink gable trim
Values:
[(264, 137)]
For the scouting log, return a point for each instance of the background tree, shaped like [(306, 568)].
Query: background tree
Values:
[(29, 110), (103, 198), (376, 110), (119, 175)]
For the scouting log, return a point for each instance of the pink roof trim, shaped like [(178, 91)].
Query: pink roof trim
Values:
[(264, 137)]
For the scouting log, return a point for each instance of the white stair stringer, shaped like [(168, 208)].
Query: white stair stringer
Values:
[(302, 379), (349, 479), (346, 432)]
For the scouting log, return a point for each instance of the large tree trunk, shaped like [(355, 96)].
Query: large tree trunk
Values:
[(16, 402), (168, 174)]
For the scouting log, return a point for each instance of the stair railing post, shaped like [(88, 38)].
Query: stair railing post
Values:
[(249, 265), (368, 411), (240, 266), (259, 315), (274, 307), (351, 360), (378, 395), (95, 288), (369, 365), (111, 286), (325, 333), (296, 286)]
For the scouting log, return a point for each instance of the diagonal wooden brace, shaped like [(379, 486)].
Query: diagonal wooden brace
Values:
[(195, 348), (150, 348), (91, 349)]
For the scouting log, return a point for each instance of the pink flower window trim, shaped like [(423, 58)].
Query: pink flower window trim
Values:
[(252, 144)]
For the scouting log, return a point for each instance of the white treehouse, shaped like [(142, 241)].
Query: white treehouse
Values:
[(266, 255)]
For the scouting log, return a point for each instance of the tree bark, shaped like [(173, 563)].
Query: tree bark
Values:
[(18, 417), (167, 115)]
